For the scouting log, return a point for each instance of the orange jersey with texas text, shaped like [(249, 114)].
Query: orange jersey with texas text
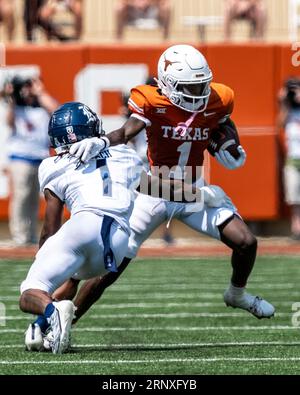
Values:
[(167, 146)]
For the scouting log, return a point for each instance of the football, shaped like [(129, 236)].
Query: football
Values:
[(225, 138)]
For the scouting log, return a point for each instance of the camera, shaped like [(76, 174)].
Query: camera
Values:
[(292, 98), (18, 83)]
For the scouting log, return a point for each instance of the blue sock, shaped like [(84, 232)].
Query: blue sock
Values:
[(49, 310), (42, 322)]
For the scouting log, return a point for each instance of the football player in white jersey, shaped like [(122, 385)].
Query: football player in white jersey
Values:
[(93, 242)]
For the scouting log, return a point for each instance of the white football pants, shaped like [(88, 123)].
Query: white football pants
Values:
[(75, 251), (149, 213)]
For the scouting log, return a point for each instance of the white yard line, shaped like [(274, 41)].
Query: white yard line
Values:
[(150, 315), (116, 295), (148, 305), (177, 315), (170, 345), (155, 315), (147, 361), (196, 286), (171, 328)]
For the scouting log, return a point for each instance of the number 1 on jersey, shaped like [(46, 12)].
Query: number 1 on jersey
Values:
[(184, 150)]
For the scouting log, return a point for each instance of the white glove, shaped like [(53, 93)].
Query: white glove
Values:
[(213, 196), (89, 148), (228, 161)]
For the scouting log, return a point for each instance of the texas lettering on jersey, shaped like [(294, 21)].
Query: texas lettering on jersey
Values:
[(191, 134), (177, 137)]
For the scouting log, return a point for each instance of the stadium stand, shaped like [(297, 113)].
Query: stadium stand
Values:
[(99, 25), (294, 19)]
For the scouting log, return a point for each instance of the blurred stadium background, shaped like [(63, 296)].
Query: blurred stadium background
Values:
[(98, 69), (99, 22)]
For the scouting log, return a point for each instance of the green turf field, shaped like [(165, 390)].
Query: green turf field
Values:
[(166, 317)]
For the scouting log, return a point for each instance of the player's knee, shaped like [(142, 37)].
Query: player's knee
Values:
[(110, 278), (247, 243), (23, 302), (132, 248)]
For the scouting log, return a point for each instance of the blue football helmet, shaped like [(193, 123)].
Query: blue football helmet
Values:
[(72, 122)]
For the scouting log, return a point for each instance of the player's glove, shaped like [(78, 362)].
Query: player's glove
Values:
[(89, 148), (228, 161), (213, 195)]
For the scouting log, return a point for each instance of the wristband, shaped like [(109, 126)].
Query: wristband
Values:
[(106, 141)]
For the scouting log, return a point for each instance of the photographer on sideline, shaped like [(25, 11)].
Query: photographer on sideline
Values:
[(27, 146), (289, 119)]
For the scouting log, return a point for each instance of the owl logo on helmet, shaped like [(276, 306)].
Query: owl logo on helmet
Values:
[(72, 122), (184, 77)]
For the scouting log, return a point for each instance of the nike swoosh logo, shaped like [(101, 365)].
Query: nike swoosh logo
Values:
[(208, 114)]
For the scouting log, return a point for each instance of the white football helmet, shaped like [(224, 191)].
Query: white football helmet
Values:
[(184, 77)]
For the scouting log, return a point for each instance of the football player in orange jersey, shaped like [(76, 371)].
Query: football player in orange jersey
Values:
[(179, 115)]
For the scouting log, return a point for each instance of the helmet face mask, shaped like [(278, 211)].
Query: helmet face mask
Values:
[(70, 123), (184, 77)]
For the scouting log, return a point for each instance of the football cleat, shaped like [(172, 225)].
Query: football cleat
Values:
[(60, 323), (34, 338), (48, 340), (257, 306)]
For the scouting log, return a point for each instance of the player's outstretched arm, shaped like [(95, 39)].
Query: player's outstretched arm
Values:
[(89, 148), (53, 216)]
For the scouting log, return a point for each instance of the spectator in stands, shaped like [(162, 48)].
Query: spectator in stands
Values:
[(143, 13), (5, 102), (32, 20), (7, 17), (41, 13), (289, 119), (253, 11), (27, 146), (52, 7)]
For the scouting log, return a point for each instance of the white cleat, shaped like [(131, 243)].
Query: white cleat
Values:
[(60, 322), (34, 338), (257, 306), (48, 341)]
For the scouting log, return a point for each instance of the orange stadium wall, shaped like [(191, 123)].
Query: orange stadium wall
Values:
[(255, 72)]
